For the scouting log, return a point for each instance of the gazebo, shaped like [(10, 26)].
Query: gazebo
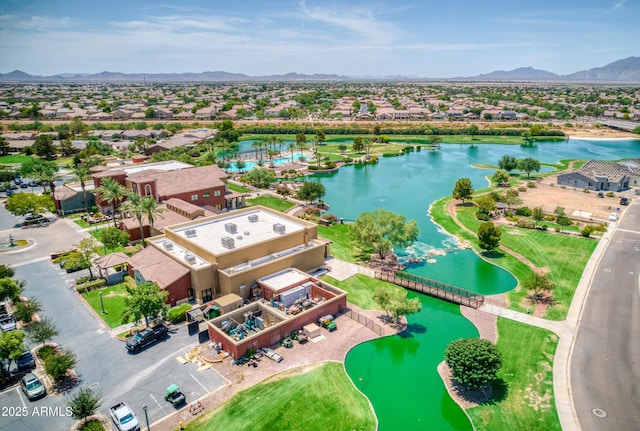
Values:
[(110, 261)]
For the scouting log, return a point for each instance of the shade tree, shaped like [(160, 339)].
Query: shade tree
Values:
[(381, 230)]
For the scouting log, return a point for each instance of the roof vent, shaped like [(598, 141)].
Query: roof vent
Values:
[(168, 245), (253, 218), (247, 233), (279, 228), (190, 233), (227, 242), (231, 227), (189, 258)]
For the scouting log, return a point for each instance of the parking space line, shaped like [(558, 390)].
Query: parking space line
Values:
[(220, 374), (198, 381), (156, 401), (21, 399)]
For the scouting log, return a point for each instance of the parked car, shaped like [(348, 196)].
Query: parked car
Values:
[(26, 361), (146, 336), (7, 323), (13, 186), (17, 181), (272, 354), (624, 201), (24, 185), (33, 183), (32, 387), (124, 418), (613, 216)]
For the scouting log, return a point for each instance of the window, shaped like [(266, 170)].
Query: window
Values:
[(147, 190), (134, 188), (194, 197), (206, 194), (207, 295), (190, 294), (216, 193)]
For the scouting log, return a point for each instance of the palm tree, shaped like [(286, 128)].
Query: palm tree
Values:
[(150, 209), (257, 145), (291, 146), (81, 172), (133, 205), (112, 192), (367, 146)]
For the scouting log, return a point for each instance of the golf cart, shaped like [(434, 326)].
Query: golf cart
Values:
[(174, 396)]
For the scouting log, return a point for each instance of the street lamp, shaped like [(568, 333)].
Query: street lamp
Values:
[(146, 417), (102, 303)]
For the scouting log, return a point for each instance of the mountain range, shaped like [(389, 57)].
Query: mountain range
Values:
[(622, 71)]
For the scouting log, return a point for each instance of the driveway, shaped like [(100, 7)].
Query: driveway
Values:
[(605, 366)]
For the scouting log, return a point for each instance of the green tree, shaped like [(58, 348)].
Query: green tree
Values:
[(45, 172), (368, 144), (342, 148), (84, 404), (113, 238), (500, 177), (10, 289), (133, 205), (537, 285), (87, 250), (260, 177), (474, 362), (488, 236), (301, 143), (4, 146), (43, 146), (473, 131), (381, 230), (11, 347), (486, 204), (463, 189), (511, 198), (58, 365), (151, 209), (113, 193), (6, 271), (508, 163), (529, 165), (291, 146), (149, 112), (537, 215), (358, 144), (82, 174), (435, 140), (28, 203), (42, 331), (144, 301), (311, 191), (383, 297), (526, 137), (26, 309)]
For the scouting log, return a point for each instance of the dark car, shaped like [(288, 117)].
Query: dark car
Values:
[(24, 185), (33, 183), (17, 180), (13, 186), (26, 361), (624, 201), (146, 336), (32, 387)]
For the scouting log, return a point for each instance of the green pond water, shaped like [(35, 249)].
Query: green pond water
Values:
[(398, 373)]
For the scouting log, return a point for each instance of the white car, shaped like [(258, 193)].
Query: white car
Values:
[(613, 216)]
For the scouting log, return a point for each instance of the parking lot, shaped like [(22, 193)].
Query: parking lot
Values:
[(103, 361)]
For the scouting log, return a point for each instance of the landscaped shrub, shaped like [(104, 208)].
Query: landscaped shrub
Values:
[(512, 219), (586, 191), (92, 285), (610, 195), (524, 211), (600, 228), (194, 153), (522, 188), (372, 160), (348, 160), (313, 167), (45, 352), (177, 314), (483, 216), (509, 213), (330, 165), (527, 224), (283, 190), (550, 217), (587, 231), (532, 184), (330, 218)]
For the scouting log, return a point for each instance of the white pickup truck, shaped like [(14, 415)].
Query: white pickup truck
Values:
[(124, 418)]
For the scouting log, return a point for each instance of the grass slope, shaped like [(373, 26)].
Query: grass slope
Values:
[(523, 399), (360, 289), (320, 399), (271, 202)]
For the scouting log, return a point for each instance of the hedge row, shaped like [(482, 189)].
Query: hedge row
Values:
[(91, 285)]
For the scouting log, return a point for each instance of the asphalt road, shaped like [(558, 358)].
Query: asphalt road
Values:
[(103, 362), (605, 365)]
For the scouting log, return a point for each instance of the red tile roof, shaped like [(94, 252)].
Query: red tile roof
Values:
[(155, 266)]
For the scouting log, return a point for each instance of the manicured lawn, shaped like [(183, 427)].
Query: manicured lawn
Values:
[(360, 289), (238, 189), (524, 399), (563, 256), (271, 202), (14, 159), (320, 399), (113, 299), (340, 239)]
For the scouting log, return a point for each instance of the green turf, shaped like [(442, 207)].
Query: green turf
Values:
[(360, 289), (271, 202), (113, 299), (14, 159), (340, 239), (238, 189), (523, 396), (320, 399)]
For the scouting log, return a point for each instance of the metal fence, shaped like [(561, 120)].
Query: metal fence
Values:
[(363, 320)]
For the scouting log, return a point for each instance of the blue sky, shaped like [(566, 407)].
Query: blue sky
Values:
[(436, 39)]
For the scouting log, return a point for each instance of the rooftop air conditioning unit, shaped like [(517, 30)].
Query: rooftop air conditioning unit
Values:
[(247, 233), (190, 233), (189, 258), (279, 228), (227, 242), (253, 218), (168, 245), (231, 227)]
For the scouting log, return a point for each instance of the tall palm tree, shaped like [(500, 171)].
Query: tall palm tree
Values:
[(113, 192), (133, 205), (82, 174), (150, 209), (291, 146), (257, 145)]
